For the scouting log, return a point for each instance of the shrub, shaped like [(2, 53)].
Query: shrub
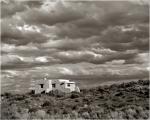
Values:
[(77, 100), (130, 113), (25, 116), (74, 95), (93, 115), (20, 97), (47, 103), (32, 92), (87, 100), (114, 114), (54, 110), (143, 82), (65, 111), (36, 95), (74, 107), (40, 114), (85, 115), (74, 114), (114, 86), (56, 93), (7, 111), (101, 97), (7, 94), (57, 110), (118, 94), (84, 91), (146, 82), (27, 101), (85, 109), (100, 89), (33, 110)]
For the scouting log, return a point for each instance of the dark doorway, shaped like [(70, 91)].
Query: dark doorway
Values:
[(42, 85), (53, 85)]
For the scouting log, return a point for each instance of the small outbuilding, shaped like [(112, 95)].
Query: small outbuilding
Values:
[(47, 85)]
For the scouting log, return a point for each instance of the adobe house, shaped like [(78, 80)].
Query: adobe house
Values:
[(45, 86)]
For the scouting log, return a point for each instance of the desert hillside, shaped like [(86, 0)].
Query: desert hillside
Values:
[(118, 101)]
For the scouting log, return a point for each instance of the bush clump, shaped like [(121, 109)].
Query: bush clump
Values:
[(47, 103), (74, 95)]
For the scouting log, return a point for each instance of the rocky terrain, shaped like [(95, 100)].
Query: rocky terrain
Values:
[(118, 101)]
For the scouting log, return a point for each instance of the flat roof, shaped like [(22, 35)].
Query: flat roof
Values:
[(63, 80), (70, 82), (60, 80)]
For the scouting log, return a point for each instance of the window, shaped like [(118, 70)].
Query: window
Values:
[(68, 85), (62, 84), (53, 85), (42, 85)]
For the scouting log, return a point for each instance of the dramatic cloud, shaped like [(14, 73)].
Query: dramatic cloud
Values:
[(51, 13), (126, 37), (13, 34), (141, 58), (89, 42), (11, 7), (101, 15)]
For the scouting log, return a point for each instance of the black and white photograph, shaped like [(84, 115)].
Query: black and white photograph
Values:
[(74, 60)]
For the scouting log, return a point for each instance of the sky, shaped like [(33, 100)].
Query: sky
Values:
[(89, 42)]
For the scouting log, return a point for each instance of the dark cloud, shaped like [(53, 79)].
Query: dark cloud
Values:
[(26, 34), (126, 38), (11, 7), (102, 15), (33, 4), (51, 13)]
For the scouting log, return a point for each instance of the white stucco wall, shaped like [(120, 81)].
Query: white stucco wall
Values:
[(71, 87), (38, 88), (48, 86), (60, 87)]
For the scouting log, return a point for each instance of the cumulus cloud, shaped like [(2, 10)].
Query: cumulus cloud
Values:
[(41, 59)]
